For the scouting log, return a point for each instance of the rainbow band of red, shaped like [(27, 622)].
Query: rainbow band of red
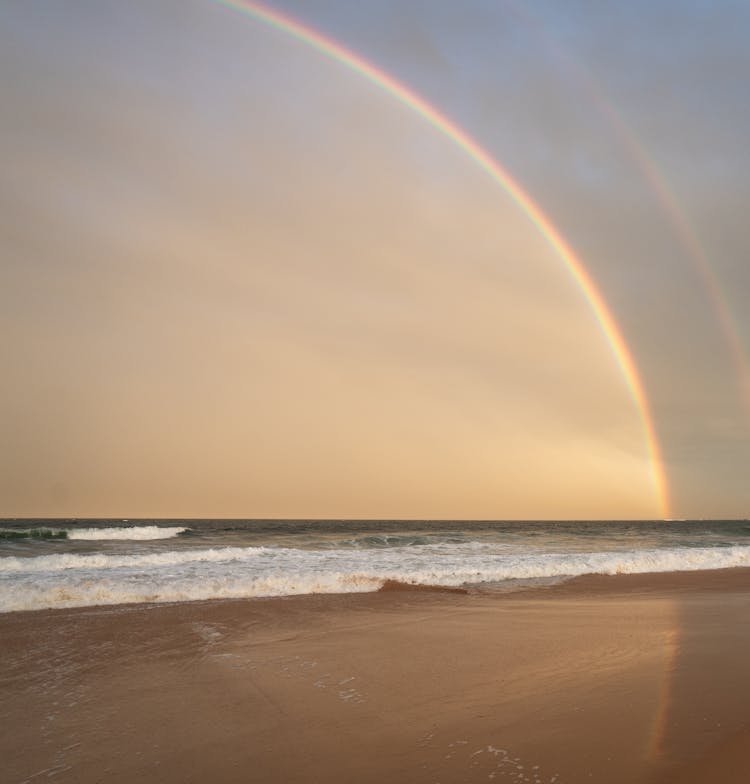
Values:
[(440, 122)]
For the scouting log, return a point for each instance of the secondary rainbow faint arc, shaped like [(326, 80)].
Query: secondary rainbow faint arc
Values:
[(439, 121)]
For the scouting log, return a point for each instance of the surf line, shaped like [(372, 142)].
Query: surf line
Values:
[(375, 75)]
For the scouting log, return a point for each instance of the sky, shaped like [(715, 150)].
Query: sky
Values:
[(239, 279)]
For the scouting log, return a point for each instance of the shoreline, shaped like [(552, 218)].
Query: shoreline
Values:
[(621, 678), (688, 580)]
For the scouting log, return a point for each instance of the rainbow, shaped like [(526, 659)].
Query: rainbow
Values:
[(665, 197), (691, 245), (460, 138)]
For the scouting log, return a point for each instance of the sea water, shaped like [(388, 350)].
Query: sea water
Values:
[(72, 563)]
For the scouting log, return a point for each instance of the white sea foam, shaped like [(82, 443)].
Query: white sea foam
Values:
[(136, 532), (102, 561), (70, 580)]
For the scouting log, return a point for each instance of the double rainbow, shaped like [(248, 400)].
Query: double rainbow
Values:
[(665, 197), (460, 138)]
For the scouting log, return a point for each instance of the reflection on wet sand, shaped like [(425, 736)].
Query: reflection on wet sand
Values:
[(671, 646), (702, 732)]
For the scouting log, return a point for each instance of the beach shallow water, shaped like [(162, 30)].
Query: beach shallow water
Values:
[(76, 563), (625, 678)]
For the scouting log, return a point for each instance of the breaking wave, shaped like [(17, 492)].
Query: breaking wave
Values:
[(33, 533), (72, 580), (136, 532)]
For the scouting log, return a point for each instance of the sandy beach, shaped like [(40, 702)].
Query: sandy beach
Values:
[(630, 678)]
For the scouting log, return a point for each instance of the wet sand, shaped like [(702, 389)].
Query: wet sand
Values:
[(633, 678)]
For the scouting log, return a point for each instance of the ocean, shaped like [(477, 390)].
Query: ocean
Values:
[(76, 563)]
